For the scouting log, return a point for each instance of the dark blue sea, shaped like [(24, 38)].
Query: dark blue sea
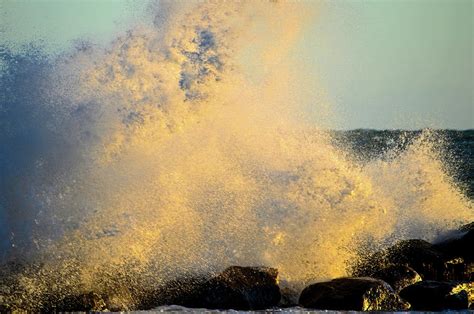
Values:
[(458, 149)]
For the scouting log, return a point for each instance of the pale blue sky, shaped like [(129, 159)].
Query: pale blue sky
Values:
[(397, 64), (57, 23), (383, 64)]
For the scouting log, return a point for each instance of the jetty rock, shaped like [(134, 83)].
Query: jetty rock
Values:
[(243, 288), (442, 262), (416, 254), (397, 276), (352, 294), (237, 287), (458, 247), (432, 295)]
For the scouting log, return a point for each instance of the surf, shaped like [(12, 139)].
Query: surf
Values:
[(186, 147)]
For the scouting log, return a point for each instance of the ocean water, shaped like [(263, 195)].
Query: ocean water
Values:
[(186, 147), (458, 149)]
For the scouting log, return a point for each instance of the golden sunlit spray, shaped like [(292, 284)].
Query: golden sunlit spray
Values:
[(193, 154)]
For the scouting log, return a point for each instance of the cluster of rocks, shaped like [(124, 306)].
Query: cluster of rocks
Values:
[(412, 274)]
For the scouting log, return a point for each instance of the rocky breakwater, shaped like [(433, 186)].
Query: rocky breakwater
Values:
[(363, 294), (430, 277), (412, 274), (239, 288)]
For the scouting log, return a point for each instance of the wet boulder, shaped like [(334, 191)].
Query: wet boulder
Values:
[(186, 290), (437, 296), (89, 301), (458, 247), (352, 294), (242, 288), (397, 276), (289, 297), (417, 254), (238, 288), (459, 243)]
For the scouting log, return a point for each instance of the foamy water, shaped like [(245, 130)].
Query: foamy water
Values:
[(184, 148)]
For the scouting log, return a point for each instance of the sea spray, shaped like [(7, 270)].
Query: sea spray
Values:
[(183, 149)]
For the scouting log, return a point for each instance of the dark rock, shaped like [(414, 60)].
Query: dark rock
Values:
[(352, 294), (185, 290), (239, 288), (242, 288), (459, 249), (419, 255), (397, 276), (90, 301), (289, 297), (436, 296)]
